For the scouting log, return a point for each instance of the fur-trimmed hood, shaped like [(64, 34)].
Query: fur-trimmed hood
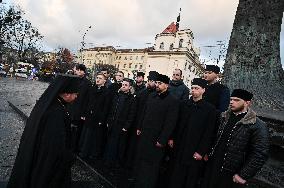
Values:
[(250, 117)]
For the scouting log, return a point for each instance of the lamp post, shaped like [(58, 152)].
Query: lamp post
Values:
[(83, 43)]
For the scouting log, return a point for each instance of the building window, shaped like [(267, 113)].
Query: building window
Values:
[(130, 57), (185, 65), (124, 66), (118, 66), (142, 57), (125, 58), (180, 43), (130, 64), (140, 67), (136, 66), (172, 46), (136, 57), (119, 57), (162, 45)]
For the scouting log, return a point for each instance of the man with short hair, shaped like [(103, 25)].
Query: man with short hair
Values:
[(159, 118), (217, 94), (177, 88), (78, 108), (139, 84), (120, 120), (94, 132), (193, 137), (141, 101), (105, 72), (241, 147), (114, 87), (45, 157)]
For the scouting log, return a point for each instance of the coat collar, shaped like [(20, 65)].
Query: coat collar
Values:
[(250, 117)]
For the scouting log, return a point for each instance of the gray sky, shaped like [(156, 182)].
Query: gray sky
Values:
[(129, 23)]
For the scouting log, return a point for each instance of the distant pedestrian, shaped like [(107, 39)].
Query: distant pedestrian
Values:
[(241, 147), (177, 88), (45, 156)]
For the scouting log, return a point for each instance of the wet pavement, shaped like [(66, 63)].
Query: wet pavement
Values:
[(22, 95)]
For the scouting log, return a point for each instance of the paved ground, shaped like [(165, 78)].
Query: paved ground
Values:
[(23, 94)]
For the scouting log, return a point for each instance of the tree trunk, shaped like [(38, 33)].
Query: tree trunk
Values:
[(253, 56)]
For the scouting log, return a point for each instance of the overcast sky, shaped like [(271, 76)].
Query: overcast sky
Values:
[(129, 23)]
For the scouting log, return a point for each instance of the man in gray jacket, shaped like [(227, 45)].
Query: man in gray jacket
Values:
[(177, 88)]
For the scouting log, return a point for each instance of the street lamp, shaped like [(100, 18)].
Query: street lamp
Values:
[(83, 43)]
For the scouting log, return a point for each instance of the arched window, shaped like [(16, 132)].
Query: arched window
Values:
[(180, 43), (162, 45), (172, 46)]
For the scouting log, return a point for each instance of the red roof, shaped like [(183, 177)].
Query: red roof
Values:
[(171, 28)]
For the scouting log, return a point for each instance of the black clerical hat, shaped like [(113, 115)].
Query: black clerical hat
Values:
[(242, 94), (163, 78), (140, 74), (200, 82), (153, 75), (213, 68)]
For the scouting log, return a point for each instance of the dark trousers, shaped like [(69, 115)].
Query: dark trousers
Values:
[(76, 130), (147, 174), (186, 175)]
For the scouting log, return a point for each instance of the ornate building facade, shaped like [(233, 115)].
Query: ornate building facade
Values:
[(173, 49)]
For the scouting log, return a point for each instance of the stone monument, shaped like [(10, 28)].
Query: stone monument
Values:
[(253, 56)]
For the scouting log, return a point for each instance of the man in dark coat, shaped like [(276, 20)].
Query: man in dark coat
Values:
[(139, 84), (93, 136), (217, 94), (45, 156), (193, 138), (141, 101), (120, 119), (114, 87), (242, 145), (159, 119), (107, 75), (177, 88), (78, 108)]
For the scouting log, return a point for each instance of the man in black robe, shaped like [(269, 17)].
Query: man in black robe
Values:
[(93, 137), (193, 138), (120, 120), (44, 156), (159, 119), (139, 86), (216, 93), (141, 101), (241, 147), (78, 108)]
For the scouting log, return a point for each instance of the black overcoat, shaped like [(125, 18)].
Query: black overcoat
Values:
[(195, 130), (94, 131), (122, 114), (159, 119)]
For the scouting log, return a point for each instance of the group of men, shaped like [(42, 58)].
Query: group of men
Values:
[(208, 137)]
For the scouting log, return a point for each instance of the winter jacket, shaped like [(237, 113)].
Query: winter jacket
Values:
[(179, 90), (247, 145)]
